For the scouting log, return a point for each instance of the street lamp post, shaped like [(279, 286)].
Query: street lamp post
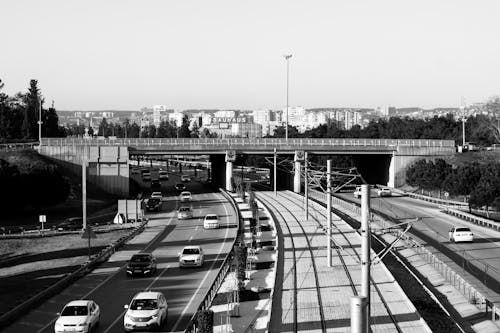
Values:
[(287, 58)]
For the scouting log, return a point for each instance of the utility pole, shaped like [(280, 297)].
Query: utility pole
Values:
[(287, 57), (365, 252), (84, 190), (306, 187), (275, 178), (329, 212)]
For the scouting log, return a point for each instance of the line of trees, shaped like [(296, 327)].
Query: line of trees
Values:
[(481, 129), (479, 182), (166, 129), (19, 116)]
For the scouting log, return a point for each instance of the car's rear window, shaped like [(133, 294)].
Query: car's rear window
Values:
[(141, 258), (211, 217), (191, 251), (144, 304), (75, 311), (184, 209), (462, 230)]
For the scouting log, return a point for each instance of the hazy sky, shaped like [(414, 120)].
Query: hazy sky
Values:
[(119, 54)]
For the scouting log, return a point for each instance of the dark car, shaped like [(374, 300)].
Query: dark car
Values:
[(155, 184), (70, 224), (180, 186), (153, 204), (142, 264)]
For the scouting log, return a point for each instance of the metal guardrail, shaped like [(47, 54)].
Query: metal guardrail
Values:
[(22, 308), (17, 146), (473, 218), (436, 200), (297, 143), (452, 277), (221, 274)]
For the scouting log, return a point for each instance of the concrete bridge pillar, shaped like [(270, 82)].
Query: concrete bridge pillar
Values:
[(296, 178), (299, 157), (230, 158)]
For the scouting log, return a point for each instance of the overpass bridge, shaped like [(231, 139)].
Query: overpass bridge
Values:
[(108, 159)]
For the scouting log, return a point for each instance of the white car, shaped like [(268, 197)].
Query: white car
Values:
[(156, 195), (185, 178), (357, 192), (460, 234), (184, 213), (147, 310), (191, 256), (186, 196), (163, 174), (78, 316), (384, 192), (211, 221)]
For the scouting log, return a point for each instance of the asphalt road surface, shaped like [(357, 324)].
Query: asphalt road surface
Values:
[(184, 289)]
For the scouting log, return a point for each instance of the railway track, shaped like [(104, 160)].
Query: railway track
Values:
[(374, 285), (301, 263), (343, 246)]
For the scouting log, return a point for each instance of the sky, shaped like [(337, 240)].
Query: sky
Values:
[(228, 54)]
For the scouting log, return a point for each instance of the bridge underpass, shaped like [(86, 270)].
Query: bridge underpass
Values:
[(379, 160)]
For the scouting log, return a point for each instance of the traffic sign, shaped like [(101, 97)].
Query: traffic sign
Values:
[(88, 233), (446, 194), (42, 218)]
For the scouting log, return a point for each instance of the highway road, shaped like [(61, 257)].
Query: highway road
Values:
[(481, 257), (184, 289)]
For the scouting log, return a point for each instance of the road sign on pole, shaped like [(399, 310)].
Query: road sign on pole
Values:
[(42, 219)]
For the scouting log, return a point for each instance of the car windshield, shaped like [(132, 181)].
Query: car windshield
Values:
[(156, 193), (184, 209), (211, 217), (462, 230), (153, 201), (140, 259), (144, 304), (75, 311), (191, 251)]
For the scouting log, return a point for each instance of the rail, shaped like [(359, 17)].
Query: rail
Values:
[(473, 218), (221, 274), (17, 146), (296, 143)]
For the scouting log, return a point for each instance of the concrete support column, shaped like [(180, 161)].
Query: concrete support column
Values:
[(358, 315), (229, 176), (296, 178), (230, 158), (392, 172)]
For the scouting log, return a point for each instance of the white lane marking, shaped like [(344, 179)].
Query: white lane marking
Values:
[(174, 329), (123, 312), (100, 284)]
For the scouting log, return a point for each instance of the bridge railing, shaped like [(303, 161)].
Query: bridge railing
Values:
[(274, 142), (17, 146)]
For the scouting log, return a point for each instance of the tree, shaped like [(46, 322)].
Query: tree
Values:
[(50, 126), (103, 128), (32, 103), (195, 130), (166, 130), (184, 131)]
